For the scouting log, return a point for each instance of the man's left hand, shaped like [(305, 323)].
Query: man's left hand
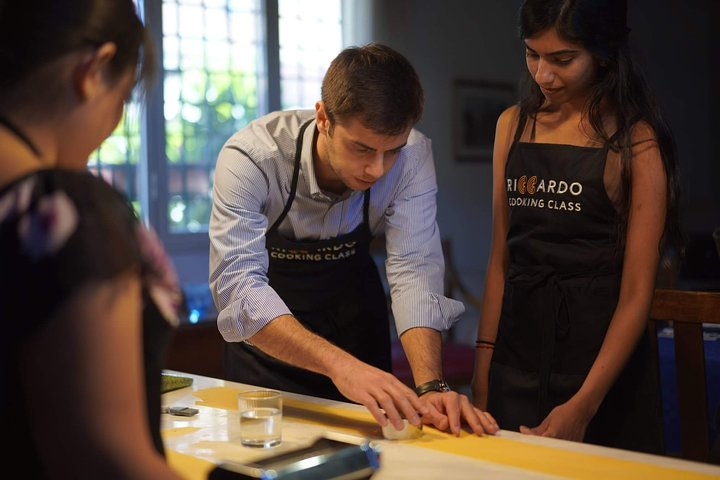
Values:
[(449, 409)]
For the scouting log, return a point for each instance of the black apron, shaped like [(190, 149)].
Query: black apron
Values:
[(562, 287), (333, 288)]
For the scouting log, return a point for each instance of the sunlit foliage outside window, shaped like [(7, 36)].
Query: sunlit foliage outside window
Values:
[(215, 82)]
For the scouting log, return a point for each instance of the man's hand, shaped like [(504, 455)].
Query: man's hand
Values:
[(448, 409), (386, 397)]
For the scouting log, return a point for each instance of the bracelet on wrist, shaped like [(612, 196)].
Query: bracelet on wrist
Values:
[(479, 343)]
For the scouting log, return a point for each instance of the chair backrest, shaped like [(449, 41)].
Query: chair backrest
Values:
[(688, 311)]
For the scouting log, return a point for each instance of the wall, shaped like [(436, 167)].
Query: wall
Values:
[(456, 39), (681, 64)]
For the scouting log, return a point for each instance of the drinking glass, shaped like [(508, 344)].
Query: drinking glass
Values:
[(260, 418)]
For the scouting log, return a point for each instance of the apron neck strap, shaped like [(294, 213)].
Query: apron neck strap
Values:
[(296, 174)]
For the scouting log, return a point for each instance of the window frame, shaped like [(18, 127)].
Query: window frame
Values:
[(152, 164)]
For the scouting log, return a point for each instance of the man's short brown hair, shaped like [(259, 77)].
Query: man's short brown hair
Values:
[(376, 85)]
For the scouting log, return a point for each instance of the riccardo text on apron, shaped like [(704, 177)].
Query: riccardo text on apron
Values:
[(525, 188)]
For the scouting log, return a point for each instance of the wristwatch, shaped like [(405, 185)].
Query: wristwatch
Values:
[(436, 385)]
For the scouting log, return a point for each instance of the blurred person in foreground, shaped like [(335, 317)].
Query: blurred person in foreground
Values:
[(88, 297)]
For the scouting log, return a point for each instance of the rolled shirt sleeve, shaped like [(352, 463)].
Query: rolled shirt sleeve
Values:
[(238, 258), (415, 264)]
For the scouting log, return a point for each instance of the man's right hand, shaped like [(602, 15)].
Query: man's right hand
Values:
[(386, 397)]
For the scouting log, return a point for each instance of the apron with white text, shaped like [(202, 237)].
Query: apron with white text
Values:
[(561, 291)]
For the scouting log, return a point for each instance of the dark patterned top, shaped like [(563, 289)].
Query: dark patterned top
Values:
[(60, 231)]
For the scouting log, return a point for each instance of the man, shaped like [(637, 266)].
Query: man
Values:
[(298, 196)]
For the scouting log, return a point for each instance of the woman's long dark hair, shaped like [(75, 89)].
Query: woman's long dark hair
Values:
[(600, 27)]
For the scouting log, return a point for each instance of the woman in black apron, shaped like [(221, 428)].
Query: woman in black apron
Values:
[(570, 267), (334, 290), (562, 287)]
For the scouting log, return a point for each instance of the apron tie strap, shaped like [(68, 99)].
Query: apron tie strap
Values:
[(548, 286)]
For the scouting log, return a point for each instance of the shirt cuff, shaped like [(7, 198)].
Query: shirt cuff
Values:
[(245, 317), (428, 310)]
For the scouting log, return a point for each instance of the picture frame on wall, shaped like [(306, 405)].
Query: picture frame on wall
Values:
[(477, 104)]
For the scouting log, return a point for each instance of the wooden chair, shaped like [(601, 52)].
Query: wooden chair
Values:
[(687, 311)]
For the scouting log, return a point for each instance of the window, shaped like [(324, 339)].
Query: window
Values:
[(224, 63), (310, 37), (210, 89)]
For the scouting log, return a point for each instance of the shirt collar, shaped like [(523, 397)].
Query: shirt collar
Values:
[(307, 166)]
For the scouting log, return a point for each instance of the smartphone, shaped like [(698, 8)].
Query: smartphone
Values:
[(326, 458)]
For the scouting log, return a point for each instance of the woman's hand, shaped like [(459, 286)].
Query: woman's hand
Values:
[(567, 421)]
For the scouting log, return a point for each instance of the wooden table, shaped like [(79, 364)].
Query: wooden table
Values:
[(195, 444)]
